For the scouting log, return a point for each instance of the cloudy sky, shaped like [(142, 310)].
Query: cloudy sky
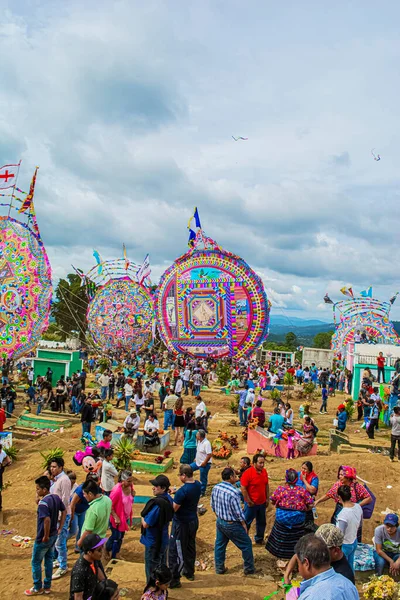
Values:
[(129, 108)]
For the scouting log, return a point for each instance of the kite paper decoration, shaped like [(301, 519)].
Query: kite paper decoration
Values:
[(240, 138), (376, 156), (8, 176), (211, 303), (25, 282), (367, 293), (362, 314), (347, 292), (120, 314), (327, 300)]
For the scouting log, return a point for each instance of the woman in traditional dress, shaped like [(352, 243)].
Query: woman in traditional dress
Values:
[(292, 503), (306, 442), (309, 480), (347, 476)]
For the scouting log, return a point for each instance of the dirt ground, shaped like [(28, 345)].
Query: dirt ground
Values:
[(19, 508)]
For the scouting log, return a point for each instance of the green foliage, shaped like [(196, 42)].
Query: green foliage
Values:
[(309, 388), (103, 363), (275, 395), (323, 340), (70, 306), (123, 454), (288, 379), (51, 455), (291, 340), (53, 334), (349, 406), (223, 372), (12, 452), (150, 369), (279, 346), (234, 405)]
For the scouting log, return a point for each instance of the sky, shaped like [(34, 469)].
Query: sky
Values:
[(129, 109)]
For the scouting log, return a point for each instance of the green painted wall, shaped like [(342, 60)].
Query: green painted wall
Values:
[(358, 371), (52, 354), (40, 367)]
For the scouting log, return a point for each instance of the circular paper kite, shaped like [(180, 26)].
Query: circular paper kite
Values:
[(25, 288), (211, 303), (121, 314), (363, 315)]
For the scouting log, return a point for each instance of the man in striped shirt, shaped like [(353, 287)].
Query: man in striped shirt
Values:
[(231, 524)]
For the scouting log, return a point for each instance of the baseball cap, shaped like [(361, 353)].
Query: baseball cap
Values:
[(161, 481), (331, 535), (391, 519), (92, 541)]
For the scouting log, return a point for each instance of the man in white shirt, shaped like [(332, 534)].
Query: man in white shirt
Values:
[(61, 487), (128, 389), (203, 459), (200, 411), (131, 425), (104, 381), (186, 380), (178, 386), (150, 429)]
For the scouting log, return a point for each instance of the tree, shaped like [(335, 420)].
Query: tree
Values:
[(53, 334), (291, 340), (323, 340), (69, 308)]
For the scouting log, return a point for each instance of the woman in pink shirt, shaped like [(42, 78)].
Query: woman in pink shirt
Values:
[(121, 496)]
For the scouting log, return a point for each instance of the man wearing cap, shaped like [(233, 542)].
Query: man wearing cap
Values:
[(132, 424), (320, 582), (88, 570), (333, 538), (387, 545), (156, 517)]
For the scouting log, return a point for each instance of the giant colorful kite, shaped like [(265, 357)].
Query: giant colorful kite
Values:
[(211, 303), (365, 315), (120, 314), (25, 274)]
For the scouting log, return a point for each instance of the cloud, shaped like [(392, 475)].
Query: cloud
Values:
[(129, 109), (342, 160)]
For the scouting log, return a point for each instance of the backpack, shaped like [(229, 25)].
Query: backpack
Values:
[(368, 509)]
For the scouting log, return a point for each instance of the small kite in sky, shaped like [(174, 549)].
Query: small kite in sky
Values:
[(376, 156), (239, 138)]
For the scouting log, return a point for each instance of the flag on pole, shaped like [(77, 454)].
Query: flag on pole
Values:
[(125, 257), (367, 293), (99, 262), (27, 204), (327, 300), (192, 233), (145, 270), (393, 298), (8, 176), (347, 291)]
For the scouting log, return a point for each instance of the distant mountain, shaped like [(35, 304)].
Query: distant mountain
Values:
[(296, 321), (305, 329)]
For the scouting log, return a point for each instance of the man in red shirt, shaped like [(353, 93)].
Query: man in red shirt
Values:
[(255, 490), (381, 367)]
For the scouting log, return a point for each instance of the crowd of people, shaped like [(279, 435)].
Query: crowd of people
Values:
[(97, 513)]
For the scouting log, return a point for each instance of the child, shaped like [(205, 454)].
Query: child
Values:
[(157, 586), (324, 405), (40, 402), (290, 444), (106, 441), (332, 385), (108, 472)]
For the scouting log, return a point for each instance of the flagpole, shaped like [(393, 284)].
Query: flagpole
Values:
[(13, 192)]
